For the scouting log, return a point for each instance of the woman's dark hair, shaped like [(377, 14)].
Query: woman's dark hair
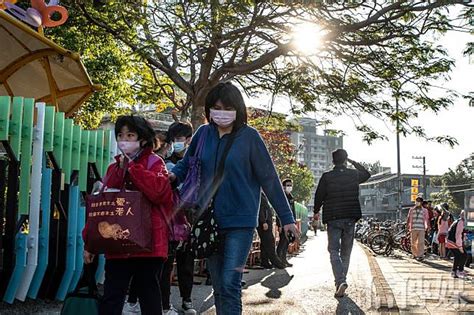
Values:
[(180, 129), (230, 96), (139, 125)]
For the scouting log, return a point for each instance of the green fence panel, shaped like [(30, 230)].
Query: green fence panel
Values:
[(92, 145), (15, 126), (4, 117), (76, 148), (58, 138), (83, 171), (48, 129), (26, 151), (106, 155), (99, 160), (67, 150)]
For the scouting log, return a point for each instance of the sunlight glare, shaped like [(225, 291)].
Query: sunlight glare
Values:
[(307, 38)]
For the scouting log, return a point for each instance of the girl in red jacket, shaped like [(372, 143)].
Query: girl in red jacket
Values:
[(135, 138)]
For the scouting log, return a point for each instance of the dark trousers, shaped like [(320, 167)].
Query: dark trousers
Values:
[(267, 246), (185, 271), (459, 260), (119, 272), (282, 248), (185, 266), (165, 281)]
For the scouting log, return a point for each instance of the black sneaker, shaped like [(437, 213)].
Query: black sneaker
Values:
[(341, 289)]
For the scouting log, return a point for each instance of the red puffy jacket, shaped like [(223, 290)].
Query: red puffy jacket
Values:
[(154, 184)]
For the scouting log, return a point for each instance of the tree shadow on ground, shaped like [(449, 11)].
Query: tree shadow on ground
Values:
[(275, 282), (347, 306)]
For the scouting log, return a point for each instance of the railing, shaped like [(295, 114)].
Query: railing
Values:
[(49, 166)]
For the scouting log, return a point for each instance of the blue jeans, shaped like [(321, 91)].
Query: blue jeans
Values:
[(226, 268), (340, 241)]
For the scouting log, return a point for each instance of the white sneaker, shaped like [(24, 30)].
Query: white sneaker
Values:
[(171, 311), (131, 308), (461, 274)]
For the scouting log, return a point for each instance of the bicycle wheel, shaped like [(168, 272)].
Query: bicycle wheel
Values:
[(406, 244), (380, 244)]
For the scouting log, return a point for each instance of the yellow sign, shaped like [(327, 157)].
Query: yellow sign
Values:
[(413, 198), (414, 190), (414, 182)]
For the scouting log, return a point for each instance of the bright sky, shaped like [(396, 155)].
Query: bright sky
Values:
[(457, 121)]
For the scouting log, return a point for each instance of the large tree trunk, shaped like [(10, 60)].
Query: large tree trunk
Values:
[(198, 115)]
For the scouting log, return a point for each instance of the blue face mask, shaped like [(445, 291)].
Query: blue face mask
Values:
[(179, 147)]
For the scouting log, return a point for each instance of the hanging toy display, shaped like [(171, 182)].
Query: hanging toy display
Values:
[(40, 14)]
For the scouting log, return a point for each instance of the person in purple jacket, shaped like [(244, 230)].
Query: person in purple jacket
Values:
[(248, 169)]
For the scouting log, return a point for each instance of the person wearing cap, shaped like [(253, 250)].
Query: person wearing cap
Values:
[(418, 222), (338, 195)]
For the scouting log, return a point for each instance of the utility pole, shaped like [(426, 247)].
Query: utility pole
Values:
[(423, 158), (399, 167)]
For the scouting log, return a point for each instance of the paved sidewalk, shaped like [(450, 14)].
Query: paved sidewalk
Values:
[(426, 287), (308, 287)]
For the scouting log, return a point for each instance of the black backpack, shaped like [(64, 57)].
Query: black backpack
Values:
[(452, 231)]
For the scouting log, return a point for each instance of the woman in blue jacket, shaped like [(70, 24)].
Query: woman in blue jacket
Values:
[(248, 169)]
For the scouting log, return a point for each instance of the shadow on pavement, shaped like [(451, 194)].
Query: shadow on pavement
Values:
[(347, 306), (436, 265), (275, 282)]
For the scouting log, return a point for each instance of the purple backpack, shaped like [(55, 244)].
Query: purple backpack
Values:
[(189, 192), (178, 226)]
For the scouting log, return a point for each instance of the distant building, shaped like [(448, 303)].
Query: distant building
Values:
[(314, 150), (158, 121), (379, 195)]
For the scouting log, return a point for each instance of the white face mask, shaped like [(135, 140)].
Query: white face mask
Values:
[(129, 148), (223, 118), (289, 189)]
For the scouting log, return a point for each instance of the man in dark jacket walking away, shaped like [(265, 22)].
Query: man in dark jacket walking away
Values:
[(338, 194), (268, 257)]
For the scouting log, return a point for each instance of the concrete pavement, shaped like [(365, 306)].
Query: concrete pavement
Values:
[(426, 287), (307, 287), (377, 285)]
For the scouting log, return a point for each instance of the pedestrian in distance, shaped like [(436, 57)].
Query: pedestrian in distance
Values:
[(135, 138), (455, 242), (418, 224), (338, 195), (444, 222), (247, 169), (268, 256), (315, 223), (284, 242)]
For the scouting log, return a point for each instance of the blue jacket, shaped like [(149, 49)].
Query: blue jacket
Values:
[(248, 169)]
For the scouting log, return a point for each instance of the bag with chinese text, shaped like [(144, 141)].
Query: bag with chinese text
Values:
[(119, 222)]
